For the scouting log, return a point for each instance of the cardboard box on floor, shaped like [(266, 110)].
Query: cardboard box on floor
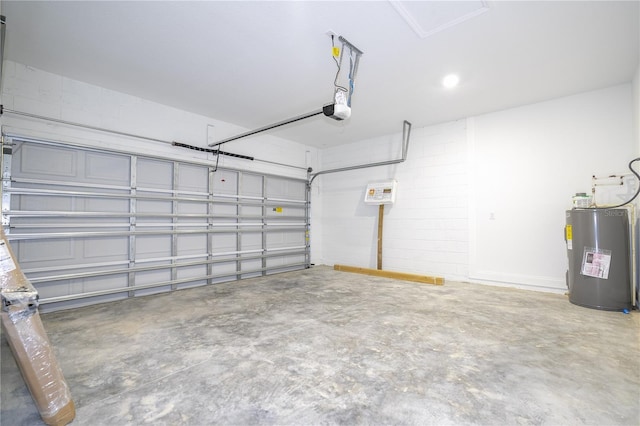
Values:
[(28, 341)]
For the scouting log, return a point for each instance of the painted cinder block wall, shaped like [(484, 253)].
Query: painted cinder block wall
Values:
[(426, 229), (34, 91), (480, 199)]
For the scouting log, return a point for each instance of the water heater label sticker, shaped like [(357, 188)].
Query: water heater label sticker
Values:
[(596, 262), (6, 262), (569, 237)]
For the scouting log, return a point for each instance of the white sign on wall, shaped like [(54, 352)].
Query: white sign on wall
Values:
[(381, 192)]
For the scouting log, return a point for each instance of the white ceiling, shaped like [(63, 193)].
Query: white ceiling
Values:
[(256, 63)]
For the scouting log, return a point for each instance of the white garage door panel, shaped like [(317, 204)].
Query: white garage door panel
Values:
[(54, 289), (224, 210), (225, 269), (281, 262), (105, 249), (152, 206), (251, 265), (286, 189), (107, 169), (187, 207), (154, 174), (280, 212), (192, 272), (192, 178), (153, 290), (90, 226), (99, 283), (193, 284), (225, 182), (34, 254), (46, 162), (251, 241), (106, 205), (252, 185), (152, 247), (247, 210), (192, 244), (43, 203), (285, 239), (150, 277)]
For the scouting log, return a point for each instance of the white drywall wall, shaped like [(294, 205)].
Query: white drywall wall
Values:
[(526, 164), (38, 92)]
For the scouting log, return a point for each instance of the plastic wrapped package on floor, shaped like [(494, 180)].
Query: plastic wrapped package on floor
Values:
[(22, 326)]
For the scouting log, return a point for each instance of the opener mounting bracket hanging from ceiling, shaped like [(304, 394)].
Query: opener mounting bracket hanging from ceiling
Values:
[(339, 109)]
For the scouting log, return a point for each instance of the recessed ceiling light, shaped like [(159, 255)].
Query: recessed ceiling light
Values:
[(450, 81)]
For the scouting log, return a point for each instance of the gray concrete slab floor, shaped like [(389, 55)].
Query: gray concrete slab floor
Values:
[(325, 347)]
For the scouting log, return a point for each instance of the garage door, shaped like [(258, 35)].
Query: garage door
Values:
[(91, 225)]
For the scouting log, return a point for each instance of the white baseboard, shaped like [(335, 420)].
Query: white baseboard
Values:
[(525, 282)]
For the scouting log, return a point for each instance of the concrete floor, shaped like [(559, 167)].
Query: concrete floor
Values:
[(326, 347)]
